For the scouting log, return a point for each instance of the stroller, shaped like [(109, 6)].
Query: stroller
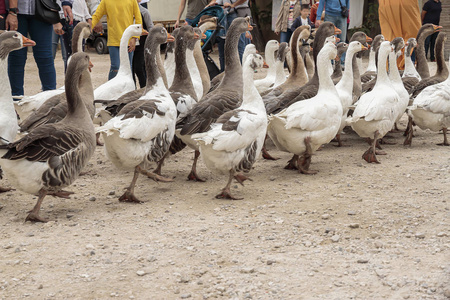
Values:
[(213, 11)]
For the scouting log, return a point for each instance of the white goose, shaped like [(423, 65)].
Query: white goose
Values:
[(345, 85), (375, 112), (193, 68), (123, 82), (431, 110), (280, 75), (9, 41), (50, 157), (234, 141), (169, 58), (396, 79), (143, 130), (267, 82), (306, 125)]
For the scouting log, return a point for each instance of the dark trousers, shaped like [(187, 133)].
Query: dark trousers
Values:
[(139, 66), (41, 33), (3, 21), (429, 44)]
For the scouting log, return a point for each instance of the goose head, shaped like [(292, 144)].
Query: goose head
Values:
[(386, 47), (208, 24), (272, 45), (158, 35), (241, 25), (355, 47), (328, 50), (254, 61), (398, 44), (84, 30), (325, 30), (377, 40), (13, 40), (361, 37), (410, 45), (341, 48), (135, 30), (282, 51)]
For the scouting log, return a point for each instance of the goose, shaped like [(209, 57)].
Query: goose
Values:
[(267, 82), (280, 58), (431, 110), (234, 141), (50, 157), (306, 125), (169, 59), (442, 69), (345, 85), (9, 41), (421, 59), (204, 25), (325, 30), (371, 70), (143, 130), (192, 65), (227, 96), (375, 112), (337, 73), (309, 62), (29, 104), (410, 77), (123, 82)]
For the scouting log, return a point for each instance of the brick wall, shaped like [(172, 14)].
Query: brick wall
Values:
[(445, 22)]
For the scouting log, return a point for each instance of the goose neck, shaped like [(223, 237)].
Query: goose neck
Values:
[(125, 67), (410, 70), (5, 86), (75, 103), (394, 75), (181, 69), (151, 64), (325, 82), (347, 76), (442, 69), (372, 67), (382, 76), (233, 69)]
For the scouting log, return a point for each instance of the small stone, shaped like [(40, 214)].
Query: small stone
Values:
[(247, 270), (272, 178), (447, 292), (354, 225), (335, 238), (141, 273), (30, 234), (185, 296), (90, 246), (325, 216), (151, 259), (378, 244), (111, 193), (92, 198), (69, 215), (40, 287), (270, 262), (362, 261), (351, 213), (441, 234), (420, 235)]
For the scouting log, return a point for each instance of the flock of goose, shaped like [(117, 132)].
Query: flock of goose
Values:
[(226, 120)]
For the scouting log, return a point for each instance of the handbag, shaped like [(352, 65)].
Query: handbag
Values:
[(47, 11), (344, 10)]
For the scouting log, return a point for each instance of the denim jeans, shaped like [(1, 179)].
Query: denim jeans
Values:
[(340, 23), (114, 56), (66, 41), (285, 37), (41, 33)]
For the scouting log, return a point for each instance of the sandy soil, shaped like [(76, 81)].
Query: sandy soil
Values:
[(353, 231)]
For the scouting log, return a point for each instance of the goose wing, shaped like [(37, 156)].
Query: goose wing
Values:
[(53, 110)]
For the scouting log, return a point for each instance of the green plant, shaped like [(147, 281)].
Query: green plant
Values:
[(371, 22)]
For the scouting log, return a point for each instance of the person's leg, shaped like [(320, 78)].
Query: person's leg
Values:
[(3, 21), (285, 37), (55, 41), (17, 60), (115, 61), (432, 44), (427, 45), (41, 33), (139, 67)]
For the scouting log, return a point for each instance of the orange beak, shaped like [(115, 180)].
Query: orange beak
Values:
[(250, 27), (364, 48), (338, 40), (412, 50), (91, 65), (144, 32), (27, 42), (337, 30), (368, 39), (337, 58), (170, 38), (265, 65), (203, 36), (196, 36), (437, 28)]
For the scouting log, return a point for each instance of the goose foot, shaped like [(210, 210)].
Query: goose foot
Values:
[(240, 178), (409, 127), (4, 190), (395, 129), (370, 154), (154, 176), (292, 163), (445, 143), (61, 194), (338, 140), (266, 155), (305, 160), (408, 133), (193, 175), (34, 217), (128, 196), (97, 139), (227, 195)]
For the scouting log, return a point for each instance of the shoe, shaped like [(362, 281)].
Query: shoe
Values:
[(433, 60)]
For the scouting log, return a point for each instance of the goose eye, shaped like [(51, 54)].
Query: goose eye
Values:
[(16, 35)]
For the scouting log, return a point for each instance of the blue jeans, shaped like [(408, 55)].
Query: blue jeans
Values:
[(340, 23), (114, 56), (285, 37), (41, 33)]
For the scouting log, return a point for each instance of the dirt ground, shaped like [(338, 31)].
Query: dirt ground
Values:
[(353, 231)]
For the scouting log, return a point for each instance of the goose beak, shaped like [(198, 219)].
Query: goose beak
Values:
[(368, 46), (265, 65), (368, 39), (338, 40), (250, 27), (411, 52), (27, 42), (337, 30), (203, 36), (170, 38), (437, 28), (144, 32), (364, 48), (196, 36), (91, 65)]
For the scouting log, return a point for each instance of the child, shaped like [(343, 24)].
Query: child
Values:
[(303, 19)]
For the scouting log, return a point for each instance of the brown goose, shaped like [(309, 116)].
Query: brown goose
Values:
[(50, 157), (371, 71), (226, 97), (55, 109), (337, 73), (204, 25), (442, 69), (424, 32)]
